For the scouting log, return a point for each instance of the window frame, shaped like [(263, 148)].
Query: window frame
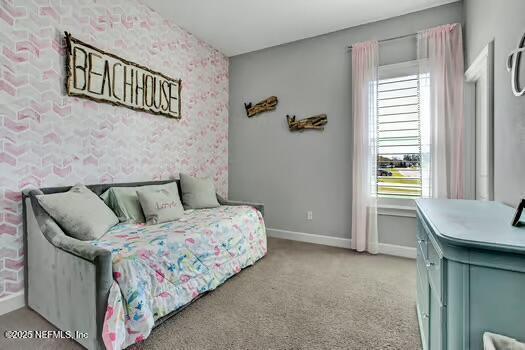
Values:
[(396, 205)]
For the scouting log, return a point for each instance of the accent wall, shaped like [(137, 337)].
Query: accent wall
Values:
[(48, 138)]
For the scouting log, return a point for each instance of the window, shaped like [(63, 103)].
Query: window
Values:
[(402, 132)]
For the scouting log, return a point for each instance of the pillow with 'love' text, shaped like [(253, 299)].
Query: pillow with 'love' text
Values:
[(161, 203)]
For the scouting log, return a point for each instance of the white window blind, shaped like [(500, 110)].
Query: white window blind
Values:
[(401, 137)]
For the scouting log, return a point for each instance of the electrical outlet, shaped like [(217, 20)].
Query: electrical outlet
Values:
[(309, 215)]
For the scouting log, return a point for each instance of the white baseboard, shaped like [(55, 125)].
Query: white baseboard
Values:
[(309, 237), (387, 249), (12, 302), (397, 250)]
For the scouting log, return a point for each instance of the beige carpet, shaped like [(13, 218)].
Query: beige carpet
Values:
[(300, 296)]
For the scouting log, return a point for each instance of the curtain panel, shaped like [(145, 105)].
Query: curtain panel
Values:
[(440, 53), (365, 59)]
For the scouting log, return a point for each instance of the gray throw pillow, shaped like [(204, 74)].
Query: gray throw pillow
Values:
[(125, 203), (198, 193), (161, 204), (79, 212)]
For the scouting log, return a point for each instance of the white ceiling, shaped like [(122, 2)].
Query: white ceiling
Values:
[(239, 26)]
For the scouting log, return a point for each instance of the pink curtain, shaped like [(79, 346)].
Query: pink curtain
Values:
[(364, 94), (440, 52)]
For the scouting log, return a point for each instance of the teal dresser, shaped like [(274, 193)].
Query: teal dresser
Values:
[(470, 273)]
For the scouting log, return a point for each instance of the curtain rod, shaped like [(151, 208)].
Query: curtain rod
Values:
[(390, 39)]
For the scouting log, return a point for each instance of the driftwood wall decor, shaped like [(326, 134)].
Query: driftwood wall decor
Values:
[(316, 122), (264, 106), (104, 77)]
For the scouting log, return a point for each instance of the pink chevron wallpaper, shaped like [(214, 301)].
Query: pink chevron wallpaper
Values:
[(48, 138)]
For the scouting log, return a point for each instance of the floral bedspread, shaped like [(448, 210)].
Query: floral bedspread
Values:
[(160, 268)]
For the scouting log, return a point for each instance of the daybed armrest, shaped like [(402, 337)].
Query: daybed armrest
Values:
[(258, 206), (59, 239), (68, 281)]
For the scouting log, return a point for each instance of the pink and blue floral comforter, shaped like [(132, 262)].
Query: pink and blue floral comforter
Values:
[(160, 268)]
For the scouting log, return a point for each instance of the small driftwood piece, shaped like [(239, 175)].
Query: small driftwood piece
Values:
[(316, 122), (264, 106)]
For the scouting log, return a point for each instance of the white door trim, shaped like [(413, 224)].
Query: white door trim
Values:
[(480, 75)]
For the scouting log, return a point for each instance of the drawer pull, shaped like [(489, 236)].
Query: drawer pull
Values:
[(425, 315), (429, 264)]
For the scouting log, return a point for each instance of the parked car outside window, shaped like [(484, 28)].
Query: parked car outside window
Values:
[(383, 172)]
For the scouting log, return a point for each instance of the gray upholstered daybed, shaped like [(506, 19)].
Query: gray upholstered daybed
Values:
[(68, 280)]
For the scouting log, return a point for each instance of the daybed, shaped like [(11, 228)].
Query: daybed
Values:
[(135, 276)]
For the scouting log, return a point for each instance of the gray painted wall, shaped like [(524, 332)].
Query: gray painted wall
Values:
[(503, 22), (397, 230), (296, 172)]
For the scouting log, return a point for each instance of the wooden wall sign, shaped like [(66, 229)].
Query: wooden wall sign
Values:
[(316, 122), (105, 77), (264, 106)]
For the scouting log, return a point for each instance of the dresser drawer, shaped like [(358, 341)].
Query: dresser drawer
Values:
[(422, 238), (437, 324), (433, 261), (421, 261), (435, 268), (422, 296), (423, 312)]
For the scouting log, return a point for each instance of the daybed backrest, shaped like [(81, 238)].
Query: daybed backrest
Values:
[(42, 216), (98, 189)]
